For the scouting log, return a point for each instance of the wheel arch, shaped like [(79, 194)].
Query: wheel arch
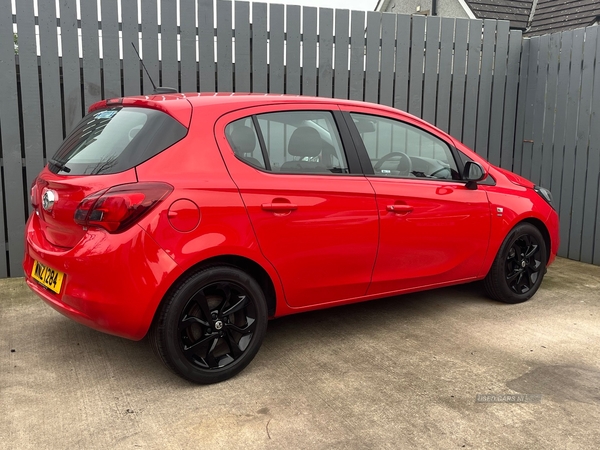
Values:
[(543, 230), (243, 263)]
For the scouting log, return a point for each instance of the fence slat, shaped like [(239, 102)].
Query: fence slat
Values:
[(521, 106), (485, 88), (292, 49), (417, 50), (549, 115), (206, 45), (224, 36), (309, 50), (568, 167), (325, 84), (168, 45), (53, 122), (538, 113), (510, 99), (566, 46), (445, 80), (30, 93), (432, 46), (111, 64), (14, 216), (590, 235), (92, 84), (187, 44), (581, 151), (498, 91), (388, 38), (276, 48), (150, 44), (472, 88), (131, 64), (459, 67), (525, 167), (243, 65), (357, 55), (70, 64), (259, 47), (403, 33), (342, 41), (372, 57)]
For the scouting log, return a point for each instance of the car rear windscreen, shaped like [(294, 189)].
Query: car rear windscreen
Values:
[(115, 139)]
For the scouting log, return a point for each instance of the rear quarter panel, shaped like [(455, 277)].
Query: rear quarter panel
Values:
[(195, 168)]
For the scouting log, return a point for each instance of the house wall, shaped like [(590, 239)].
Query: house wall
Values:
[(446, 8)]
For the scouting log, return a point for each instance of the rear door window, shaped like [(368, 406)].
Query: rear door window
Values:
[(116, 139), (303, 142), (292, 142)]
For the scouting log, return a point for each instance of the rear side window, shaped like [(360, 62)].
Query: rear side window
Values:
[(115, 139), (303, 142), (294, 142)]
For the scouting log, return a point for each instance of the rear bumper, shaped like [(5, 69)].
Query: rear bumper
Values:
[(113, 282)]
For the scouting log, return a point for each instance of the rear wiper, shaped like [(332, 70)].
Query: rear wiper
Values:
[(61, 166)]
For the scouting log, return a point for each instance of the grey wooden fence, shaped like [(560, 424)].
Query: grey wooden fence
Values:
[(511, 99)]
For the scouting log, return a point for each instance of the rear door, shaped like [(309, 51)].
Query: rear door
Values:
[(313, 212), (434, 229)]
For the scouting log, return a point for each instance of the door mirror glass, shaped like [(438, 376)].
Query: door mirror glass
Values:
[(473, 172)]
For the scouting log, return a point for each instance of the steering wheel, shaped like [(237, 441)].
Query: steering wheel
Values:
[(404, 164), (433, 175)]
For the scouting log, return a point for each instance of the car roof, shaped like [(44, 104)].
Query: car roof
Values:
[(223, 102), (243, 100)]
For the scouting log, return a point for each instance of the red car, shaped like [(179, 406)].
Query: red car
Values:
[(196, 217)]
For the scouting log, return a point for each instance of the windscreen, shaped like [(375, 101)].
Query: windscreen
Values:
[(115, 139)]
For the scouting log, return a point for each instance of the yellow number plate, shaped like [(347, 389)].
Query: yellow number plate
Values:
[(48, 277)]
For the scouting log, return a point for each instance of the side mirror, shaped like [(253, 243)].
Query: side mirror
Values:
[(472, 173)]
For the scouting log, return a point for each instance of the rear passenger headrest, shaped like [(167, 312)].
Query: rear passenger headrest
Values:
[(305, 142), (243, 140)]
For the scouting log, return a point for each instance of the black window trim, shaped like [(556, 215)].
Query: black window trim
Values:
[(348, 147), (261, 142)]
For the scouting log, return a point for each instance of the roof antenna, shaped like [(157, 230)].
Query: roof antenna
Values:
[(157, 90)]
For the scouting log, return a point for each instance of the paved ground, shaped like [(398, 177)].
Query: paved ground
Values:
[(396, 373)]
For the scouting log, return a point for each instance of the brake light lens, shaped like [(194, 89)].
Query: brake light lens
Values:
[(120, 207), (34, 195)]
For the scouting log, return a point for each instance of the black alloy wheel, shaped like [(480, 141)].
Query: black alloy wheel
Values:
[(212, 326), (523, 264), (517, 272)]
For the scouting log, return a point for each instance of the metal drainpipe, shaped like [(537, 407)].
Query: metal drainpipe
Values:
[(434, 7)]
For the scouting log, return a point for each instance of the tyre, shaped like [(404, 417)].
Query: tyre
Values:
[(519, 267), (211, 326)]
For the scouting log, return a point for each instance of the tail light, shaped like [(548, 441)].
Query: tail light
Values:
[(118, 208), (34, 195), (37, 187)]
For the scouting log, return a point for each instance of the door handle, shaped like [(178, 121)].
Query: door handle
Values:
[(279, 207), (400, 209)]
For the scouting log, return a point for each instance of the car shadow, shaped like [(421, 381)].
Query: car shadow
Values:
[(75, 344)]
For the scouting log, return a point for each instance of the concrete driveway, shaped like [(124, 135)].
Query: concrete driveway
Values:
[(397, 373)]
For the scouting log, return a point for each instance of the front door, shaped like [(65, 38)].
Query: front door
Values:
[(433, 230)]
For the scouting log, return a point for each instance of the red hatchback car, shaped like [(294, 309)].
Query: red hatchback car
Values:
[(196, 217)]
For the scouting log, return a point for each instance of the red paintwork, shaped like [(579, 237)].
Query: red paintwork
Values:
[(339, 244)]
